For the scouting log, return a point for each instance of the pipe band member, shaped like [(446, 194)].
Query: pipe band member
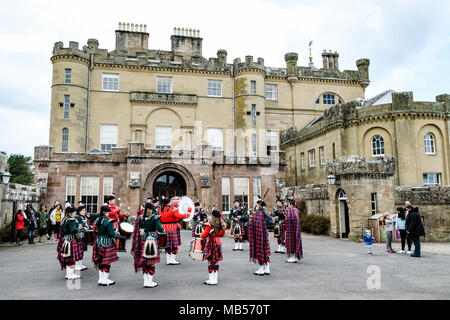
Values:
[(200, 218), (117, 216), (69, 247), (83, 225), (293, 234), (213, 247), (104, 251), (145, 246), (278, 218), (239, 224), (169, 219), (259, 239)]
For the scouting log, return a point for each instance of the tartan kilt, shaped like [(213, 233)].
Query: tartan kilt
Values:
[(105, 255), (173, 238), (258, 239), (84, 244), (293, 235), (76, 252), (140, 261), (213, 250)]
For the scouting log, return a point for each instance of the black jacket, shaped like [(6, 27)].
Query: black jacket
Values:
[(414, 223)]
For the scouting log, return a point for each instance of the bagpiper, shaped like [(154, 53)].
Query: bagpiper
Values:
[(199, 220), (279, 229), (169, 219), (69, 248), (293, 234), (259, 239), (145, 247), (239, 222), (82, 227), (116, 215), (104, 251), (212, 250)]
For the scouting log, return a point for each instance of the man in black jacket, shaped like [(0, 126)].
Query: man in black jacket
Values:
[(415, 229)]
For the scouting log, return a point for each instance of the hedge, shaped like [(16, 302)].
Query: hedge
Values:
[(315, 224)]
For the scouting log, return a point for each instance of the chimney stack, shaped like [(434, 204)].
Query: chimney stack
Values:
[(131, 36)]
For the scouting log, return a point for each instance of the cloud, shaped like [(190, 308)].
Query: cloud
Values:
[(406, 41)]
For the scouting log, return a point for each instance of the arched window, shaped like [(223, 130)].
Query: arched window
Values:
[(429, 143), (378, 146), (329, 98), (342, 195), (65, 140)]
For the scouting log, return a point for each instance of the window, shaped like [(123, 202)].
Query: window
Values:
[(373, 203), (271, 141), (431, 179), (108, 137), (328, 98), (302, 160), (378, 146), (429, 143), (318, 101), (256, 190), (89, 193), (254, 144), (312, 158), (163, 137), (107, 187), (214, 88), (66, 106), (215, 138), (241, 189), (225, 194), (322, 155), (271, 91), (138, 136), (334, 151), (163, 85), (65, 140), (68, 76), (253, 87), (110, 82), (71, 189), (253, 115)]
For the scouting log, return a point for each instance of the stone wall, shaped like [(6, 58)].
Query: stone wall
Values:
[(434, 207)]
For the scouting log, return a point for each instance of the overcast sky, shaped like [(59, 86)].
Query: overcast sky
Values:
[(407, 42)]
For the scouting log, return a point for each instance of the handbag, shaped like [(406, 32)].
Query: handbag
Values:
[(397, 234), (383, 234)]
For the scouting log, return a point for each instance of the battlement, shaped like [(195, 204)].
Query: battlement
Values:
[(249, 63)]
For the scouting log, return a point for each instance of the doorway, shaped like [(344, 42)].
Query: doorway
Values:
[(344, 220), (169, 184)]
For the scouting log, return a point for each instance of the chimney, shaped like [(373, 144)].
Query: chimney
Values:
[(186, 42), (222, 56), (131, 36), (325, 59)]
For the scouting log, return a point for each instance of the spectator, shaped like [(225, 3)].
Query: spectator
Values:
[(43, 222), (389, 222), (415, 229), (408, 208), (400, 226), (32, 218), (50, 225), (368, 240), (56, 217), (19, 227)]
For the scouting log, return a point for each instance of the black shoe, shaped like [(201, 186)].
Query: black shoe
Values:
[(415, 256)]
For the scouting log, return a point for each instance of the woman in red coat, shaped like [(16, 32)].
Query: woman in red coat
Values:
[(19, 227), (213, 247)]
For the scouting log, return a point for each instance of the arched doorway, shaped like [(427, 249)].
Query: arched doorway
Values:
[(169, 184), (344, 221)]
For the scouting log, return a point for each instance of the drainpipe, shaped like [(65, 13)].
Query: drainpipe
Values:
[(234, 109), (91, 63)]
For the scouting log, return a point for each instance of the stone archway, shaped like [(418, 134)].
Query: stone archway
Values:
[(174, 168)]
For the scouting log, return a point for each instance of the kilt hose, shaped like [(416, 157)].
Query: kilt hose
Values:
[(213, 250), (106, 255), (76, 252), (139, 260), (258, 239), (293, 234)]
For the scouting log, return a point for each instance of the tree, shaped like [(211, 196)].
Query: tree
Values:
[(20, 169)]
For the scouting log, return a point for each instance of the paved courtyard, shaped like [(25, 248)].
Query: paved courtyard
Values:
[(332, 269)]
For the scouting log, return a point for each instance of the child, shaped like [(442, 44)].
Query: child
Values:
[(19, 227), (389, 222), (213, 247), (368, 240)]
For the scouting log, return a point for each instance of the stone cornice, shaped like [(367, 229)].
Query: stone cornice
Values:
[(248, 70), (68, 57), (165, 98)]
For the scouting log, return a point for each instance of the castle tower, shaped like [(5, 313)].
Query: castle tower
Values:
[(69, 97)]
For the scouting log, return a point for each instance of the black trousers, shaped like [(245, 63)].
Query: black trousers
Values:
[(403, 236), (408, 241)]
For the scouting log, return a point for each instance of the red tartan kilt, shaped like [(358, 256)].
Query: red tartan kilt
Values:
[(173, 238), (76, 252), (213, 250), (147, 261), (106, 255)]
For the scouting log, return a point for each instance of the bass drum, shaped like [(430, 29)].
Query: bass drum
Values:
[(196, 252), (183, 206), (126, 229)]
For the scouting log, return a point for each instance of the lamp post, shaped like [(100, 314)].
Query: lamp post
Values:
[(331, 179), (6, 177)]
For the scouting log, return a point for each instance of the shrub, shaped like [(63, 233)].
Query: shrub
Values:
[(315, 224)]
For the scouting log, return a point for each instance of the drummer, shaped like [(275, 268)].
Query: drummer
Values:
[(82, 227), (115, 215), (145, 248), (169, 218)]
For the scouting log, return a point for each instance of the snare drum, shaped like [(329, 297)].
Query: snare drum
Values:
[(126, 229), (161, 240), (89, 237), (196, 252)]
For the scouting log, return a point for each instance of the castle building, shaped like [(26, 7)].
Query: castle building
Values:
[(138, 121)]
